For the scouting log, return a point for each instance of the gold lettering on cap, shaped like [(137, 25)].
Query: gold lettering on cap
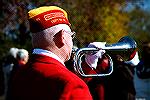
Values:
[(37, 19), (54, 15), (57, 20)]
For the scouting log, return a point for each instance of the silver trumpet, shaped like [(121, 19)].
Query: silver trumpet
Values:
[(124, 46)]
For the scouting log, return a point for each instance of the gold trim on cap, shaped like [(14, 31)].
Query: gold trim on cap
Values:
[(34, 12)]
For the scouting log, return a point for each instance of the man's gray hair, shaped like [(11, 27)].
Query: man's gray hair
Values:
[(45, 37)]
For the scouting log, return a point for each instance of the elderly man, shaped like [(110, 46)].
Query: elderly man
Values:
[(45, 77), (22, 57)]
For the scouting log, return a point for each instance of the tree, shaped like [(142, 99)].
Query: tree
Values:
[(101, 20), (139, 26)]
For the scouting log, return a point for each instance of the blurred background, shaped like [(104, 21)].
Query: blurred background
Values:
[(92, 20)]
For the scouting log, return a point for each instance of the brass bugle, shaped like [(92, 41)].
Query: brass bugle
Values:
[(124, 44)]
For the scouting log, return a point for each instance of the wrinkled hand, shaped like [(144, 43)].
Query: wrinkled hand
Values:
[(92, 59), (134, 59)]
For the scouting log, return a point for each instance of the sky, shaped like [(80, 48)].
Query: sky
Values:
[(143, 4), (146, 5)]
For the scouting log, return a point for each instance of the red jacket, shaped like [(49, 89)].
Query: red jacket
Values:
[(96, 84), (44, 78)]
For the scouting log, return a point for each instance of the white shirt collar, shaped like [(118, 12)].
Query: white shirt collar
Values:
[(47, 53)]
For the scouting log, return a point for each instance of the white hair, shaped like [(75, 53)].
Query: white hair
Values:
[(22, 53), (45, 37), (13, 51)]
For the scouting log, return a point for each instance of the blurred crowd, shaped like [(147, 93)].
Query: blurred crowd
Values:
[(14, 59)]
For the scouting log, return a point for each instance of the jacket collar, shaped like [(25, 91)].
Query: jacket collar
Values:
[(47, 53), (45, 59)]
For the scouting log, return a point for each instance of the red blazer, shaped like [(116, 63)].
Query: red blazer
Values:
[(96, 84), (44, 78)]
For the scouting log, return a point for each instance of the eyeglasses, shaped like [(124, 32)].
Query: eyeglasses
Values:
[(73, 34)]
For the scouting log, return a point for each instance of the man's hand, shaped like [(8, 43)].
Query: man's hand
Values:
[(92, 59)]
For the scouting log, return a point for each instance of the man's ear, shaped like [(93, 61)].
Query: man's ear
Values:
[(59, 39)]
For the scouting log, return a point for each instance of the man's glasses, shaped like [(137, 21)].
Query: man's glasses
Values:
[(73, 34)]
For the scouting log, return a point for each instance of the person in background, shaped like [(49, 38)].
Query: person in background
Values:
[(143, 68), (45, 76), (21, 58), (142, 75), (121, 80), (7, 65)]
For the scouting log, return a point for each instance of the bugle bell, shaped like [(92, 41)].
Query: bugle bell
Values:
[(125, 44)]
